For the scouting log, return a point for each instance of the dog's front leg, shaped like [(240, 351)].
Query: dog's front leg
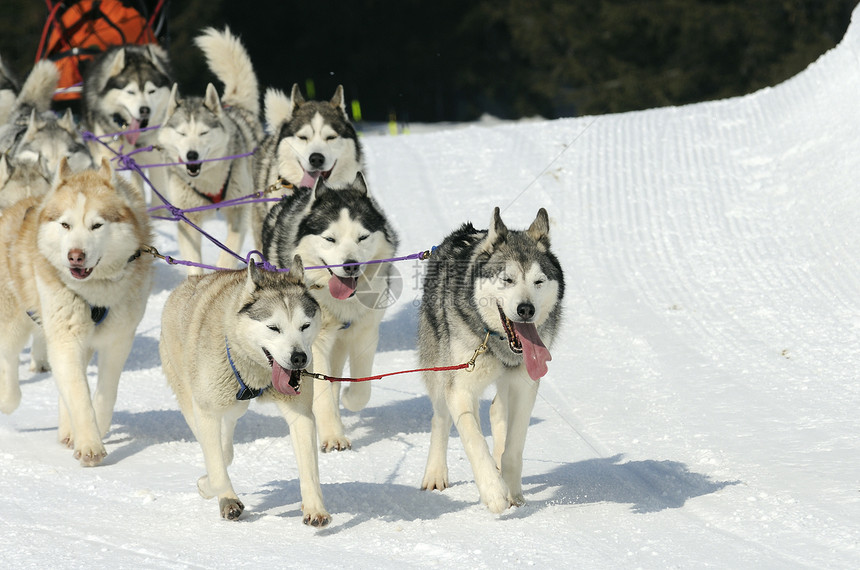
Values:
[(436, 470), (518, 403), (12, 341), (216, 482), (329, 360), (463, 404), (299, 415), (190, 245), (111, 362), (69, 362)]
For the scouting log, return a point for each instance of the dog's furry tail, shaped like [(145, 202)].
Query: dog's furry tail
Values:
[(38, 88), (278, 107), (229, 61)]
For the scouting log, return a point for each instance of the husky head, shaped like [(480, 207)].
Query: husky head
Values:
[(518, 287), (49, 139), (342, 227), (87, 226), (315, 139), (194, 130), (277, 323), (132, 87)]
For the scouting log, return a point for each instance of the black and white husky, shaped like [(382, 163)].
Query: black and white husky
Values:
[(336, 227), (308, 140), (213, 127), (506, 287)]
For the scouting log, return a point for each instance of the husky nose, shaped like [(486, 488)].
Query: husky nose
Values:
[(192, 155), (77, 256), (351, 270), (317, 160), (299, 359), (144, 112), (526, 311)]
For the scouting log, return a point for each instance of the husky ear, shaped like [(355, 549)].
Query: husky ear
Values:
[(211, 101), (63, 169), (338, 100), (359, 184), (67, 121), (173, 101), (498, 230), (297, 269), (117, 63), (296, 98), (254, 279), (158, 57), (319, 189), (539, 230), (32, 126), (105, 171)]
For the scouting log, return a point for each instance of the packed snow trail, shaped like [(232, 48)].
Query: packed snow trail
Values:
[(700, 408)]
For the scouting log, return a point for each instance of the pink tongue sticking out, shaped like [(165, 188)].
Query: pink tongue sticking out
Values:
[(132, 137), (309, 178), (281, 380), (342, 287), (535, 354)]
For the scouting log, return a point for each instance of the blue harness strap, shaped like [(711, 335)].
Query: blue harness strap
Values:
[(244, 392)]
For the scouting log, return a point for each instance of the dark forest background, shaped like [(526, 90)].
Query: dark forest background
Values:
[(451, 60)]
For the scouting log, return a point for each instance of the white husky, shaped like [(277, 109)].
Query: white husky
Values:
[(75, 267), (231, 336)]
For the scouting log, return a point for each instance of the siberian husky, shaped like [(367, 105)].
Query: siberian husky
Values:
[(199, 129), (75, 269), (335, 227), (504, 288), (34, 134), (231, 336), (307, 140), (127, 89)]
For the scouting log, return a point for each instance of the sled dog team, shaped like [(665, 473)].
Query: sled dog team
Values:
[(74, 236)]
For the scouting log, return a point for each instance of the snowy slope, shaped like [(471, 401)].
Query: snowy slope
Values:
[(701, 407)]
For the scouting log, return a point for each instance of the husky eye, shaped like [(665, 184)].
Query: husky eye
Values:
[(507, 280), (65, 226), (363, 237), (329, 239), (275, 328), (305, 327), (302, 138), (96, 226), (150, 92), (540, 282), (330, 138), (204, 133), (181, 133)]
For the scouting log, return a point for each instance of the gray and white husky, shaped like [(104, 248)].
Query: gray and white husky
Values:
[(505, 286), (231, 336), (307, 140), (125, 89), (336, 227), (34, 139), (213, 127)]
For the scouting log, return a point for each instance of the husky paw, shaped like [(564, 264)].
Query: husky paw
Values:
[(437, 481), (39, 366), (10, 402), (498, 502), (335, 444), (67, 441), (318, 520), (90, 456), (231, 508)]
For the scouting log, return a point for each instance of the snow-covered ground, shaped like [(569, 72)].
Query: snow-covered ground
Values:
[(702, 406)]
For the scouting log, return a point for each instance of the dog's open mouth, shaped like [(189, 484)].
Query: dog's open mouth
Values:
[(192, 169), (80, 272), (285, 381), (309, 178), (523, 339)]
